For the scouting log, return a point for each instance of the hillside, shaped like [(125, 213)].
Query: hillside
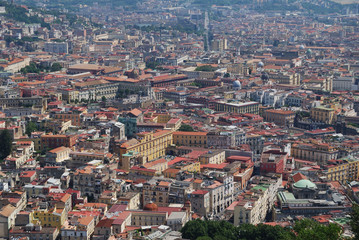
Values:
[(19, 14)]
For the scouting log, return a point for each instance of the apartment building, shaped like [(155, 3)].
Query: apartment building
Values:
[(98, 89), (254, 204), (213, 157), (273, 161), (78, 228), (157, 193), (221, 140), (89, 180), (292, 79), (151, 145), (200, 201), (74, 115), (323, 114), (57, 47), (280, 117), (49, 218), (57, 155), (315, 152), (55, 141), (345, 169), (37, 102), (195, 139), (34, 232), (247, 107), (16, 64)]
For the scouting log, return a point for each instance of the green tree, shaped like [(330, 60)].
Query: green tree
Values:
[(30, 127), (264, 232), (204, 238), (186, 128), (310, 229), (5, 144), (194, 229), (206, 68), (227, 75), (103, 99), (354, 221), (152, 64), (221, 230), (55, 67), (197, 84)]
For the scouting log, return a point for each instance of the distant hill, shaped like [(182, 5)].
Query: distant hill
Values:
[(346, 1), (72, 3)]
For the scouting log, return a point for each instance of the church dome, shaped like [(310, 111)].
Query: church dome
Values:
[(150, 207), (237, 84), (304, 183)]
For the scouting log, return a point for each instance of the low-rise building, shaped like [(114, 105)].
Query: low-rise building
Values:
[(247, 107), (55, 141), (57, 155), (200, 201), (323, 114), (345, 169), (280, 117), (254, 204), (49, 218), (213, 157), (195, 139), (34, 232), (150, 145)]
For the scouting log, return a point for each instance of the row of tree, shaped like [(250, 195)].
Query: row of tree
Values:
[(206, 68), (37, 68), (302, 230), (5, 144)]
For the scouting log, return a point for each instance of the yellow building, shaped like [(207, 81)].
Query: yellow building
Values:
[(174, 124), (171, 172), (247, 107), (185, 164), (158, 165), (157, 193), (236, 68), (108, 197), (193, 139), (151, 145), (343, 170), (49, 218), (213, 157), (131, 199), (228, 95), (190, 167), (315, 152), (162, 118), (323, 114), (75, 118)]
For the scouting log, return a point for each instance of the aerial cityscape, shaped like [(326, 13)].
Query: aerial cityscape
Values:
[(179, 119)]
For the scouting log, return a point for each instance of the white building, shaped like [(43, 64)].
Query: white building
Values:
[(57, 47), (343, 83)]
